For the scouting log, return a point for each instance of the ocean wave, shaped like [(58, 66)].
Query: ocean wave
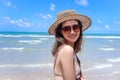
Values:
[(111, 41), (26, 65), (102, 66), (14, 36), (106, 37), (13, 48), (114, 60), (40, 35), (43, 39), (30, 41), (116, 72), (107, 49)]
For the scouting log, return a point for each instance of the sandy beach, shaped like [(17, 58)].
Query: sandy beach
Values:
[(29, 75), (48, 75)]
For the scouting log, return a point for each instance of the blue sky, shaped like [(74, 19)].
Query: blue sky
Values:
[(38, 15)]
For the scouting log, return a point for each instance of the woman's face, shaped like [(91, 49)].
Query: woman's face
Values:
[(70, 31)]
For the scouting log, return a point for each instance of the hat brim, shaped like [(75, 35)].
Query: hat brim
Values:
[(85, 21)]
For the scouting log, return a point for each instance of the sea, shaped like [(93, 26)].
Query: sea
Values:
[(27, 56)]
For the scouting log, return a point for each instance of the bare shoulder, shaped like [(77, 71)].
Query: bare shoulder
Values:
[(66, 51)]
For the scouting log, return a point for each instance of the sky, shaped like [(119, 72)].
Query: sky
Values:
[(38, 15)]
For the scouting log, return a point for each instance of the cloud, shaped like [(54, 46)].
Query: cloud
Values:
[(46, 17), (107, 26), (52, 7), (99, 21), (49, 16), (82, 2), (9, 4), (19, 22)]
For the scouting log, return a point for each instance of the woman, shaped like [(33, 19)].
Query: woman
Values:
[(68, 30)]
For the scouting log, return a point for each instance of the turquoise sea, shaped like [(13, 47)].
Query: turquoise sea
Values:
[(27, 56)]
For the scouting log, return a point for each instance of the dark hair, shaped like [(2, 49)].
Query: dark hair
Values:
[(61, 40)]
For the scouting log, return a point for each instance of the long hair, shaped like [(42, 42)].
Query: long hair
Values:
[(61, 40)]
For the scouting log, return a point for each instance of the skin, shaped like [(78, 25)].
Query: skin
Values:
[(65, 59)]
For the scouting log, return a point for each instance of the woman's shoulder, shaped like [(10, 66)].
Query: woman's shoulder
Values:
[(66, 50)]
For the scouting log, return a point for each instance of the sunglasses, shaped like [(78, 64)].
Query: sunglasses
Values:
[(67, 29)]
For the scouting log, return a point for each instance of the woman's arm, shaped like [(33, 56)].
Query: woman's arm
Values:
[(67, 62)]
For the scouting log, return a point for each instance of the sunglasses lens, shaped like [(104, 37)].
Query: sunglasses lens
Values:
[(76, 28), (66, 29)]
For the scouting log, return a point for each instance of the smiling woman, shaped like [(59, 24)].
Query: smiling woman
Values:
[(68, 30)]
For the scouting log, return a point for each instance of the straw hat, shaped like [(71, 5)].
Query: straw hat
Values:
[(68, 15)]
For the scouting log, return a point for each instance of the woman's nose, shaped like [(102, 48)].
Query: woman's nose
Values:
[(72, 31)]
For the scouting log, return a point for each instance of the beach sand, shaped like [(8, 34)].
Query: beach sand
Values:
[(48, 75), (28, 75)]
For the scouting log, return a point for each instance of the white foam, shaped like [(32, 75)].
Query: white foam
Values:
[(43, 39), (13, 48), (111, 41), (107, 49), (30, 41), (27, 35), (38, 35), (106, 37), (114, 60), (1, 35), (102, 66), (116, 72), (26, 65)]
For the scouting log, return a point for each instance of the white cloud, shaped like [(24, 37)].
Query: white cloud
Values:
[(46, 17), (23, 23), (107, 26), (19, 22), (9, 4), (82, 2), (50, 16), (52, 7), (99, 21)]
